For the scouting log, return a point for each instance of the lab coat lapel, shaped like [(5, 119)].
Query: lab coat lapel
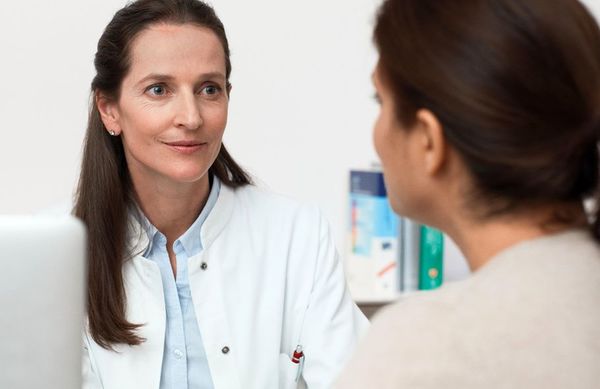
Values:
[(137, 367), (209, 305), (207, 283)]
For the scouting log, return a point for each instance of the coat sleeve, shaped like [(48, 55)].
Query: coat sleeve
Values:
[(90, 379), (332, 323)]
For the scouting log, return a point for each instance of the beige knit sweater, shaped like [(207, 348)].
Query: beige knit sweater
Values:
[(530, 318)]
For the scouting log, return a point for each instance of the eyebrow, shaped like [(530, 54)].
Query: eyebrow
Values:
[(166, 77)]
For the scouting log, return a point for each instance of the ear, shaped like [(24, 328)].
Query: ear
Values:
[(109, 112), (433, 141)]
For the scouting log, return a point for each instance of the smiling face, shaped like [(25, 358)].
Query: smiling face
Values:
[(173, 102)]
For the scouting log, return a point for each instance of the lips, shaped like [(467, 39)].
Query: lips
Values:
[(185, 147), (184, 143)]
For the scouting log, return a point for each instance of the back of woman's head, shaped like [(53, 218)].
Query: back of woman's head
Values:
[(515, 85)]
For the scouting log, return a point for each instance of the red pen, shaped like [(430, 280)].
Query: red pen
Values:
[(298, 354), (298, 358)]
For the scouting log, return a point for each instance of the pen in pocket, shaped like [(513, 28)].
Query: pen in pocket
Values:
[(298, 358)]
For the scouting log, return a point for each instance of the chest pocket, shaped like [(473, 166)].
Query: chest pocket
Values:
[(287, 373)]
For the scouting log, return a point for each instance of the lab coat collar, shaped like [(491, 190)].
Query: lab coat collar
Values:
[(216, 221), (191, 239)]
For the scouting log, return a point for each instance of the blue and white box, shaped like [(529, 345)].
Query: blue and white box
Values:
[(374, 244)]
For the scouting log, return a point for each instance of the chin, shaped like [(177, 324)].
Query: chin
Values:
[(401, 209), (398, 210), (188, 176), (396, 204)]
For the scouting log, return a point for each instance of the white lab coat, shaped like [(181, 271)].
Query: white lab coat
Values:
[(272, 281)]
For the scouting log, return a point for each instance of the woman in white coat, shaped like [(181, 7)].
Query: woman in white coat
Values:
[(197, 279)]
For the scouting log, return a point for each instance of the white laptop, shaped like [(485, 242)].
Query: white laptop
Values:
[(42, 278)]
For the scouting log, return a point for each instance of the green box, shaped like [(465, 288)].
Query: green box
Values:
[(431, 258)]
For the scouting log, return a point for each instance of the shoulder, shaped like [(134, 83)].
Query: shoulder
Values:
[(262, 196), (426, 312), (264, 204), (559, 265), (554, 247), (423, 317), (407, 341)]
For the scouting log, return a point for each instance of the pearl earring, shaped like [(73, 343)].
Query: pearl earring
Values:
[(112, 132)]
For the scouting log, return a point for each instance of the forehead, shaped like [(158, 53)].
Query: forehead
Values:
[(379, 82), (376, 74), (176, 49)]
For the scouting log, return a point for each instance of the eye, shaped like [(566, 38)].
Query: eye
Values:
[(377, 98), (210, 90), (157, 90)]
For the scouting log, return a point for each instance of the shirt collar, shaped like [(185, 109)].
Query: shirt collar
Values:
[(191, 239)]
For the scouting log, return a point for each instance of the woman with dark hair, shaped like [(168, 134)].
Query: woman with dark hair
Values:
[(488, 130), (197, 279)]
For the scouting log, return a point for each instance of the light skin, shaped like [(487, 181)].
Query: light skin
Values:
[(426, 181), (171, 115)]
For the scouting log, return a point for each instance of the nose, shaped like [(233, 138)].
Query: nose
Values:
[(188, 115)]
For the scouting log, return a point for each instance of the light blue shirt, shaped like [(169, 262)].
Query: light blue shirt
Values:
[(184, 360)]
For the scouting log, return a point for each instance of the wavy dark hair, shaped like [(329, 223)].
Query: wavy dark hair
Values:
[(515, 85), (104, 193)]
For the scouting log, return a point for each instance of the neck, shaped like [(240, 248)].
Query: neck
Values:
[(172, 208), (481, 240)]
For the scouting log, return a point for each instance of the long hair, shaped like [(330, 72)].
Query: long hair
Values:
[(105, 194), (515, 85)]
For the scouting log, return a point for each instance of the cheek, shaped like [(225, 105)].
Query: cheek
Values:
[(142, 123), (381, 141), (394, 198), (386, 142), (215, 120), (377, 136), (141, 130)]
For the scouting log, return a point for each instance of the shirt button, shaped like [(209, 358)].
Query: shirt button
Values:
[(178, 247), (203, 266), (225, 350), (178, 354)]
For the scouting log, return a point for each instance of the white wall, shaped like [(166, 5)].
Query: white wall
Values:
[(302, 107), (301, 110), (46, 68), (300, 115)]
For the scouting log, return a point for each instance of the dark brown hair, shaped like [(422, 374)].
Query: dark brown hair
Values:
[(105, 194), (515, 85)]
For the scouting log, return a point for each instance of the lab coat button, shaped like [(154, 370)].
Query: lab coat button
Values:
[(225, 350), (203, 266), (178, 354)]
